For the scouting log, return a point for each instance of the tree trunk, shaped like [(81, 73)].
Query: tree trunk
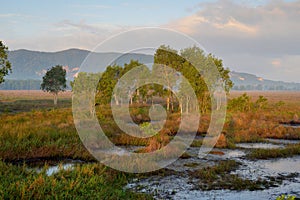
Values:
[(180, 105), (131, 99), (168, 103), (187, 105), (138, 96), (55, 98), (116, 99), (172, 102)]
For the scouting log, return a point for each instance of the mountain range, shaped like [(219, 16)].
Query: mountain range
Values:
[(34, 64), (245, 81), (29, 67)]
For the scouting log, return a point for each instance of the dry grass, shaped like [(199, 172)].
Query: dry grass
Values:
[(11, 95)]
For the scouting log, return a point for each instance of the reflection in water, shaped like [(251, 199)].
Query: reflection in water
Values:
[(284, 165)]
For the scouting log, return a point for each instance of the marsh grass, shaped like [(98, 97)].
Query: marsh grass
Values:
[(40, 134), (32, 128), (220, 177), (289, 151), (88, 181)]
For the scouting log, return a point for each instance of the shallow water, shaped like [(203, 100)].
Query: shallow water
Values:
[(291, 125), (259, 145), (56, 168), (284, 165), (181, 185), (286, 188), (282, 141)]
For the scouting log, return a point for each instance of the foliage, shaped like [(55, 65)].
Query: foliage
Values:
[(84, 87), (166, 61), (199, 70), (54, 81), (241, 103), (5, 66), (261, 102), (107, 83), (284, 197)]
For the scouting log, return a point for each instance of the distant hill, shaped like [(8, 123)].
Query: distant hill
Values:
[(30, 66), (33, 64), (245, 81)]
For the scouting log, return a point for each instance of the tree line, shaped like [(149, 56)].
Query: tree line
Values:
[(165, 58)]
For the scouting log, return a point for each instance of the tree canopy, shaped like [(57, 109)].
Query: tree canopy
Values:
[(5, 66), (54, 81), (204, 73)]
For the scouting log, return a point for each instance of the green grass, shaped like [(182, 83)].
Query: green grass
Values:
[(289, 151), (210, 174), (88, 181), (40, 134)]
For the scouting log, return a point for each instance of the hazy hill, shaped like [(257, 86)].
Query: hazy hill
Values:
[(33, 64), (30, 66), (245, 81)]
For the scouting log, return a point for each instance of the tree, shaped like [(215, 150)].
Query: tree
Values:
[(167, 58), (107, 83), (54, 81), (5, 66), (84, 85), (141, 73), (201, 70)]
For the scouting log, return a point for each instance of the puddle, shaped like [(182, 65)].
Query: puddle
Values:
[(55, 169), (259, 145), (282, 141), (291, 125)]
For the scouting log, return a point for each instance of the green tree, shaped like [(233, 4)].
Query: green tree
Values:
[(5, 66), (199, 69), (241, 103), (54, 81), (143, 72), (85, 85), (107, 83), (165, 57), (261, 102)]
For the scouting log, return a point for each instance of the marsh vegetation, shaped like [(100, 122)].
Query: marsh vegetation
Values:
[(35, 133)]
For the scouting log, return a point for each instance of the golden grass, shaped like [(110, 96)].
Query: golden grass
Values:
[(11, 95)]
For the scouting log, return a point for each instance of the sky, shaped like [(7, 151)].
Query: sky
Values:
[(260, 37)]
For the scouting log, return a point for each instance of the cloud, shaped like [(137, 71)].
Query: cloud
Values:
[(248, 38), (276, 63), (83, 26), (68, 34), (95, 6), (15, 15)]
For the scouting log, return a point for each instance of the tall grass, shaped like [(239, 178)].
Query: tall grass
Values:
[(89, 181)]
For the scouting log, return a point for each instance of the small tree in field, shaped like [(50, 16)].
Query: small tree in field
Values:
[(5, 66), (54, 81)]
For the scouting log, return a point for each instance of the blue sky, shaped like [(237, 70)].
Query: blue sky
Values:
[(258, 37), (22, 19)]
